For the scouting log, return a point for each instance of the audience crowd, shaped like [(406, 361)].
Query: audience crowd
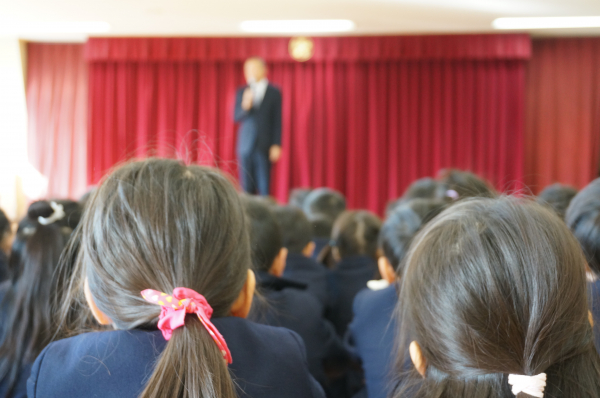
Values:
[(165, 281)]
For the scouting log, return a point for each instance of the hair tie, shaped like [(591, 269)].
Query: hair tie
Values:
[(532, 385), (452, 194), (58, 214), (174, 308)]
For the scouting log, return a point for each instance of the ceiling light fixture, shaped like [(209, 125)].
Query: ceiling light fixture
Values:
[(53, 27), (525, 23), (298, 26)]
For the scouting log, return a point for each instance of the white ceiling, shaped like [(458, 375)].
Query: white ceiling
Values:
[(222, 17)]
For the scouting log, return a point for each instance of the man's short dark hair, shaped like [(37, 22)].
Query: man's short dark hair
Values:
[(265, 233), (325, 201), (296, 230), (321, 225)]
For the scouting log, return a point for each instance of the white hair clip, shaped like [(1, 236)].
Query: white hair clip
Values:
[(532, 385), (58, 214), (452, 194)]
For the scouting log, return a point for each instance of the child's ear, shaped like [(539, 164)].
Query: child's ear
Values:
[(278, 265), (417, 358), (309, 249), (386, 270), (241, 306), (98, 315)]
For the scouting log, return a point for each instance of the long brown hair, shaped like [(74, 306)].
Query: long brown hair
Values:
[(160, 224), (494, 287)]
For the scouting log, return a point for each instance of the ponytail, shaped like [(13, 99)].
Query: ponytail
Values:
[(190, 366)]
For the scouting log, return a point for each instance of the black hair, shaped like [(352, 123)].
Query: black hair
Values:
[(35, 286), (401, 226), (558, 197), (296, 230), (324, 201), (494, 287), (465, 184), (160, 224), (265, 234), (298, 197), (321, 225), (355, 233), (4, 225), (583, 218)]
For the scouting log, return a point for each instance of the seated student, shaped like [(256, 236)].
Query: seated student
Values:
[(296, 233), (460, 184), (493, 305), (287, 303), (371, 332), (6, 238), (354, 247), (26, 317), (583, 218), (298, 197), (321, 229), (557, 197), (165, 245), (423, 188), (323, 205)]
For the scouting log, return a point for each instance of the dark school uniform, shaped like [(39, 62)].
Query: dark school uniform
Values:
[(267, 362), (286, 303), (349, 276), (371, 336), (303, 269)]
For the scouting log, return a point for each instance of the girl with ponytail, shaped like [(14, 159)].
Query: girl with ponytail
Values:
[(164, 260), (493, 305), (27, 321)]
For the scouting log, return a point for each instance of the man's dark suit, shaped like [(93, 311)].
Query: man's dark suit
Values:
[(260, 128)]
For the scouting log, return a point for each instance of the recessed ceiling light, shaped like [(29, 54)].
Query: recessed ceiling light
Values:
[(298, 26), (55, 27), (546, 22)]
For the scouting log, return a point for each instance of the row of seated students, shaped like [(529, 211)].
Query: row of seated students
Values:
[(174, 285)]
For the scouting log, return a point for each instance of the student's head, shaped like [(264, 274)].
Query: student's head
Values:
[(557, 197), (40, 239), (423, 188), (355, 233), (6, 235), (325, 201), (159, 224), (296, 230), (321, 225), (494, 287), (268, 252), (583, 218), (398, 230), (255, 69), (298, 197), (460, 184)]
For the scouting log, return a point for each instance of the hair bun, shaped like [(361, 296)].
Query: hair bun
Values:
[(41, 208)]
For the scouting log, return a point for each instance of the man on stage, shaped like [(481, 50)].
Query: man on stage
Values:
[(258, 110)]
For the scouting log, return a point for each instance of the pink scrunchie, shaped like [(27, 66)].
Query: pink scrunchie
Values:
[(174, 308)]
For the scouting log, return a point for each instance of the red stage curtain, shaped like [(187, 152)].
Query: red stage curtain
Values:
[(563, 112), (57, 116), (367, 122)]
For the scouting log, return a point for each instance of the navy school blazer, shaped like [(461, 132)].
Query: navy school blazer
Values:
[(260, 127), (303, 269), (267, 362), (285, 303), (349, 277), (371, 336)]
